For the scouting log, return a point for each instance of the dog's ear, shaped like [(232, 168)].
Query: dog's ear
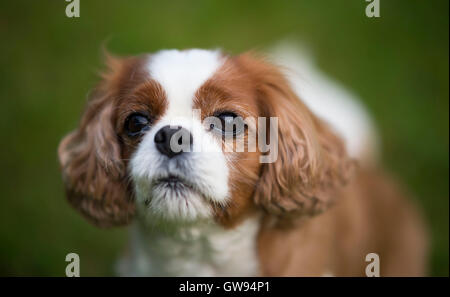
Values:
[(90, 158), (312, 161)]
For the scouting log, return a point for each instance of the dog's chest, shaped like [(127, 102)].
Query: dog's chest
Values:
[(194, 251)]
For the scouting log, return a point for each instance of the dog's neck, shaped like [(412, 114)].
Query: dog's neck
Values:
[(203, 249)]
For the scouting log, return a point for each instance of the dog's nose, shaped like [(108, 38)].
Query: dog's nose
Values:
[(171, 141)]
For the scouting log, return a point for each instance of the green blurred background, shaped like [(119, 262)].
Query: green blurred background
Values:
[(397, 63)]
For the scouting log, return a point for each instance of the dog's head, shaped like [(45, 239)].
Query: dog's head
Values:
[(182, 136)]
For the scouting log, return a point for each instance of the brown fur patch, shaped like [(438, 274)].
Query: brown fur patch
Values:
[(94, 157)]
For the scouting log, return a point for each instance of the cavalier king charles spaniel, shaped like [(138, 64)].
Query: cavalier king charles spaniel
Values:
[(157, 149)]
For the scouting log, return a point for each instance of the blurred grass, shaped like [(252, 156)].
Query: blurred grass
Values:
[(398, 64)]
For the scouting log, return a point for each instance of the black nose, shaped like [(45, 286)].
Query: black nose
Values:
[(171, 141)]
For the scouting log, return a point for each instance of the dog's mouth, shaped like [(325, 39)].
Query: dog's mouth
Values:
[(175, 197), (173, 182), (177, 186)]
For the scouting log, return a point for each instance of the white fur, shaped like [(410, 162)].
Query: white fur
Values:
[(204, 169), (329, 100), (196, 250), (181, 74)]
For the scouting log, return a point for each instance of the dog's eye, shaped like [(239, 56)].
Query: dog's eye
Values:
[(136, 124), (228, 123)]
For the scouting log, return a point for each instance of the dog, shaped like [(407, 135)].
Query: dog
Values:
[(318, 206)]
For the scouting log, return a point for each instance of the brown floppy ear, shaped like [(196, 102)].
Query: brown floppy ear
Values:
[(312, 161), (90, 159)]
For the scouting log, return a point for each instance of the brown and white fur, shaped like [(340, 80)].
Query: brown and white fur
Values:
[(315, 211)]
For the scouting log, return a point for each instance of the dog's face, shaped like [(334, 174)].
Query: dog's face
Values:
[(158, 137), (189, 88)]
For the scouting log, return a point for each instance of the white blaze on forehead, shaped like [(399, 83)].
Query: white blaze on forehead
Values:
[(181, 74)]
